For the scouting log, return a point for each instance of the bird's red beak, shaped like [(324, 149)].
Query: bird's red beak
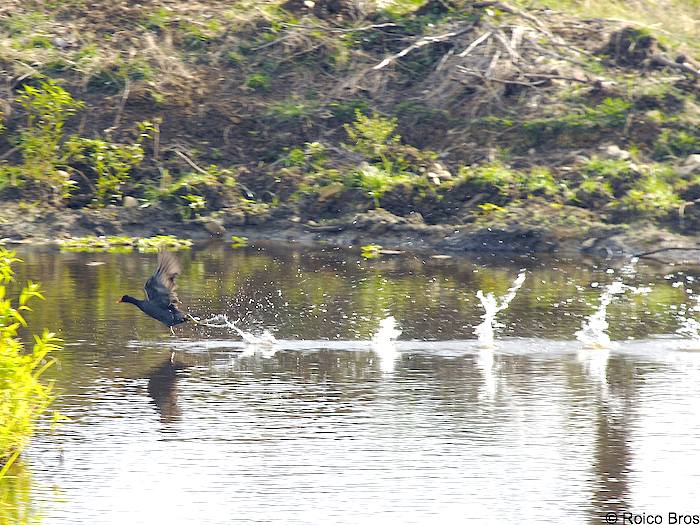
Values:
[(119, 300)]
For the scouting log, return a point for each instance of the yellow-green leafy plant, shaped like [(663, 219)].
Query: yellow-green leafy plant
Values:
[(111, 162), (118, 244), (238, 241), (23, 396), (376, 181), (47, 107), (370, 251), (373, 136), (195, 204)]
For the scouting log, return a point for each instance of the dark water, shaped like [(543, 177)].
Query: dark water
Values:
[(324, 428)]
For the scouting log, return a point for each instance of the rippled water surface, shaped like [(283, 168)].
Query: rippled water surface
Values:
[(327, 426)]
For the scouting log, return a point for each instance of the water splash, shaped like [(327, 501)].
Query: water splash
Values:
[(384, 343), (595, 364), (689, 326), (595, 367), (222, 321), (485, 330), (594, 329)]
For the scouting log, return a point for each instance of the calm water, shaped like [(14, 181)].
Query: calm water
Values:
[(324, 428)]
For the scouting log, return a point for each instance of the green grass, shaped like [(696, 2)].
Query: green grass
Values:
[(676, 143), (609, 114), (258, 82)]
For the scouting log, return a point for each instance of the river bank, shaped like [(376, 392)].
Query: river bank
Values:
[(445, 126), (379, 227)]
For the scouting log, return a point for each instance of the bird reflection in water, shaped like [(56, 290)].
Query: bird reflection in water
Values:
[(162, 389)]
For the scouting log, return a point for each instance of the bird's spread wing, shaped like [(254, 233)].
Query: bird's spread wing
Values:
[(160, 287)]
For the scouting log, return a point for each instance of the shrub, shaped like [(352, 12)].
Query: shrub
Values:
[(652, 195), (23, 397), (617, 175), (375, 181), (372, 136), (676, 143), (48, 107), (110, 161), (492, 178)]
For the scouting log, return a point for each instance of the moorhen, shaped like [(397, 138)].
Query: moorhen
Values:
[(161, 300)]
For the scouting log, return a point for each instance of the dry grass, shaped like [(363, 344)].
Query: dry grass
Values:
[(675, 23)]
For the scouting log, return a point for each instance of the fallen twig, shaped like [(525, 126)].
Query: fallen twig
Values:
[(122, 103), (546, 51), (420, 43), (492, 64), (556, 77), (274, 42), (514, 11), (663, 61), (474, 44), (500, 80), (344, 30), (672, 248), (502, 38), (204, 172), (190, 162), (9, 152)]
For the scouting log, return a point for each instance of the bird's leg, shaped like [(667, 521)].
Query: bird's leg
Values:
[(172, 331), (172, 356)]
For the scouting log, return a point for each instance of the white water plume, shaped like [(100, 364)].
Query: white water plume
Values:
[(689, 326), (384, 343), (594, 329), (485, 330), (222, 321)]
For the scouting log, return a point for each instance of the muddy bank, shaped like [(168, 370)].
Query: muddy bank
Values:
[(21, 224)]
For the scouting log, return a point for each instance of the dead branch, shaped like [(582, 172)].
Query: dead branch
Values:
[(514, 11), (420, 43), (499, 80), (552, 54), (471, 47), (85, 178), (156, 141), (275, 42), (492, 64), (190, 162), (9, 152), (122, 103), (344, 30), (444, 59), (557, 77), (502, 38), (516, 36), (672, 248), (683, 66)]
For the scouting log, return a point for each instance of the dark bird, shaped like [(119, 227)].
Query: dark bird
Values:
[(161, 301)]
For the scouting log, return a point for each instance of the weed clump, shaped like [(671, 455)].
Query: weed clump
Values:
[(118, 244)]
